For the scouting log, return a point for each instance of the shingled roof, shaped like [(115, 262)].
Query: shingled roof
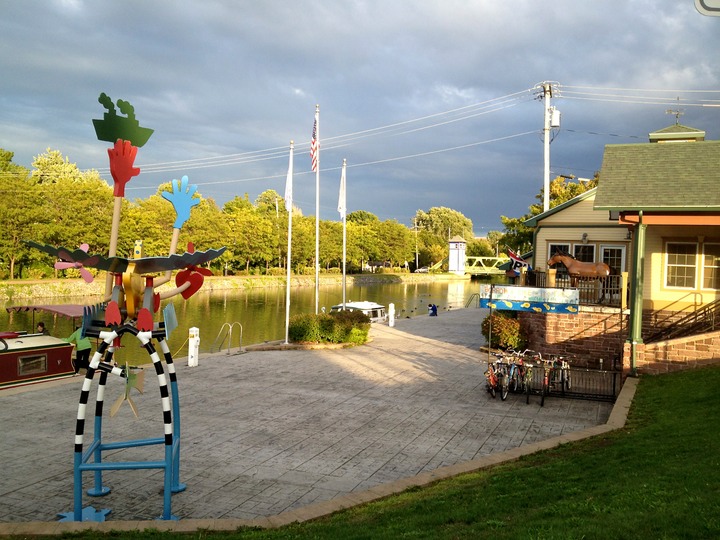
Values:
[(677, 131), (670, 177)]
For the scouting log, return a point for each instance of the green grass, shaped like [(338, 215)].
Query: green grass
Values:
[(659, 477)]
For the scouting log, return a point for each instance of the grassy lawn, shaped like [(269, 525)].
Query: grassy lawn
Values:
[(657, 478)]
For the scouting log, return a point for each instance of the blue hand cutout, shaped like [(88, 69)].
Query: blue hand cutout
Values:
[(181, 199)]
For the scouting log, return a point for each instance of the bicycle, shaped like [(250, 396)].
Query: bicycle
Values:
[(516, 372), (545, 388), (561, 373), (492, 379), (497, 380), (529, 358)]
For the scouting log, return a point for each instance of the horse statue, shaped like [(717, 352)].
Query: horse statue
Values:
[(579, 269)]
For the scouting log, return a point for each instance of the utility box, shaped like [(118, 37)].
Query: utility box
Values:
[(194, 347), (554, 118)]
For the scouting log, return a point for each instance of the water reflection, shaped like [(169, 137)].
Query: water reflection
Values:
[(261, 312)]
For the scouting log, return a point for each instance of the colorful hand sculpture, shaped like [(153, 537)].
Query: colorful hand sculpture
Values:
[(181, 199), (122, 157)]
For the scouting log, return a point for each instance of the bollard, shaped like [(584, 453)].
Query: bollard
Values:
[(391, 315), (194, 347)]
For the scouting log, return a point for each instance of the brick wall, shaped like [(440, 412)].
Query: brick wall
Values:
[(594, 333), (675, 354)]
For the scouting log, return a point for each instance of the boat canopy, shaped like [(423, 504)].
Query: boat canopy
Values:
[(70, 311)]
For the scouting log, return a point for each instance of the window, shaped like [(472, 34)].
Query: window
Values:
[(585, 252), (614, 257), (554, 249), (32, 365), (558, 248), (681, 264), (711, 266)]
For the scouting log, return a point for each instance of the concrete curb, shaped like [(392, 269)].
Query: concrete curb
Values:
[(617, 420)]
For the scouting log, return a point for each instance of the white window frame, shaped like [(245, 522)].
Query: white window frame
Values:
[(702, 266), (623, 256), (666, 273), (593, 246)]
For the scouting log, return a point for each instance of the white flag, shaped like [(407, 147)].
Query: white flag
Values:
[(342, 206), (288, 182)]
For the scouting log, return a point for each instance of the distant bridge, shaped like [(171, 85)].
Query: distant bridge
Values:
[(485, 266)]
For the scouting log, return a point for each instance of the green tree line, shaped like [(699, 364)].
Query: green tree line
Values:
[(57, 204)]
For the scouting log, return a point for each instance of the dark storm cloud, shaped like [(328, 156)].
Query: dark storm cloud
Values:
[(222, 78)]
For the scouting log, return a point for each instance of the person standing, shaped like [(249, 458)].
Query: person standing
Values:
[(82, 349)]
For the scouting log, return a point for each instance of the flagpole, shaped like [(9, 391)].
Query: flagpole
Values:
[(317, 208), (342, 208), (288, 207)]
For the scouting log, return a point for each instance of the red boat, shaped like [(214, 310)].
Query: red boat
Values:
[(31, 358)]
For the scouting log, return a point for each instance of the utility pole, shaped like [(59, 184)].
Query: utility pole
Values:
[(551, 120)]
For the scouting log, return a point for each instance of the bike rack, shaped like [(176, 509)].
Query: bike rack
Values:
[(227, 328)]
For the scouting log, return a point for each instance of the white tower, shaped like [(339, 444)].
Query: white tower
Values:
[(456, 260)]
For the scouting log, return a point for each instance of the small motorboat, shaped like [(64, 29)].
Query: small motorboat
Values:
[(376, 312)]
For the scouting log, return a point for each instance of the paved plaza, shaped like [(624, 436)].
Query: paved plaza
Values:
[(269, 433)]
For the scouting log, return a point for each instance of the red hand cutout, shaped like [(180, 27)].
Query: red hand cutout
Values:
[(122, 157)]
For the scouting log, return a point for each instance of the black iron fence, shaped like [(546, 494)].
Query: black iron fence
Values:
[(579, 383), (569, 382)]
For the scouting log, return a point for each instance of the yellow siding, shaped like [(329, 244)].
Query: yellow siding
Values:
[(568, 226), (656, 294), (579, 213)]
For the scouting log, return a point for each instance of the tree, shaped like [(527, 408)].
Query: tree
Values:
[(362, 243), (435, 228), (330, 243), (303, 241), (444, 223), (394, 242), (206, 228), (19, 212), (494, 238), (479, 247), (362, 216)]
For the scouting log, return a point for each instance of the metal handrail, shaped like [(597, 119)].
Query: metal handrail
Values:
[(228, 328), (473, 297), (696, 322)]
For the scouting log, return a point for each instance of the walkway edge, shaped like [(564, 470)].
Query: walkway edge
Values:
[(617, 420)]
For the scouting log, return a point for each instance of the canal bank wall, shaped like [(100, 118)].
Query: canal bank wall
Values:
[(19, 291)]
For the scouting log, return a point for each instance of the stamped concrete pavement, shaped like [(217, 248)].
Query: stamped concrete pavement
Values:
[(267, 433)]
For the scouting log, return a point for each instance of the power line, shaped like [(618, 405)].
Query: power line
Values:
[(331, 143)]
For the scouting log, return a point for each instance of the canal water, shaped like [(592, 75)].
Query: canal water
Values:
[(258, 315)]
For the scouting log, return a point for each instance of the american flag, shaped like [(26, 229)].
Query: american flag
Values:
[(314, 146)]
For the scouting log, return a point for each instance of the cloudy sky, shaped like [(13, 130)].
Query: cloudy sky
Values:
[(432, 102)]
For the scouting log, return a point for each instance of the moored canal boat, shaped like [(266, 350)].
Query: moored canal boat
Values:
[(31, 358)]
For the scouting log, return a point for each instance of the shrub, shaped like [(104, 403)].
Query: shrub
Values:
[(304, 327), (506, 331), (342, 327)]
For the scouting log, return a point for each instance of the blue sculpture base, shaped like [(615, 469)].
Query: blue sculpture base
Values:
[(88, 514)]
